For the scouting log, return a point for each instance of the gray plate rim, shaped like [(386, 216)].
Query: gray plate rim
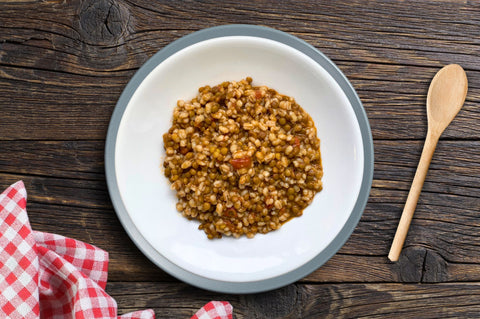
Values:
[(252, 286)]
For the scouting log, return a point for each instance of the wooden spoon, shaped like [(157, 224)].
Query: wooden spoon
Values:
[(445, 98)]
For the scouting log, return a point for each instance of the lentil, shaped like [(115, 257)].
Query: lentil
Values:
[(243, 159)]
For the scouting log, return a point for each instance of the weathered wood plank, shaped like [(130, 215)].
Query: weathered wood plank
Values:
[(39, 111), (41, 105), (175, 300), (455, 167), (455, 163), (65, 182), (362, 259), (61, 159), (92, 49), (60, 191), (63, 65), (432, 241)]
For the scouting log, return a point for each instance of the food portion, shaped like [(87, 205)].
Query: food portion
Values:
[(242, 159)]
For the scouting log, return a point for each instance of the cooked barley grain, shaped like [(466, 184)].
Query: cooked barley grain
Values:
[(243, 159)]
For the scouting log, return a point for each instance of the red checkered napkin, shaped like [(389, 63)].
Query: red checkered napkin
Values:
[(215, 310), (52, 276)]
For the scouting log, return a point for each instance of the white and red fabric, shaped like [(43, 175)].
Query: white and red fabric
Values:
[(215, 310), (52, 276)]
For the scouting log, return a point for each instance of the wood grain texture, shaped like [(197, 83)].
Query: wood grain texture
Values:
[(311, 301), (64, 64), (390, 57), (79, 198)]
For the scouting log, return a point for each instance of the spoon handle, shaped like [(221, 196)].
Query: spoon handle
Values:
[(412, 199)]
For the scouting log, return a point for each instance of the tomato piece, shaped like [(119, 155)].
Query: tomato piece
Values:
[(296, 141), (243, 162)]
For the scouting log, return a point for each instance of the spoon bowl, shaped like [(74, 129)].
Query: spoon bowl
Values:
[(446, 96)]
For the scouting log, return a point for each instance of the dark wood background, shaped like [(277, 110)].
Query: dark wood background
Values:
[(64, 64)]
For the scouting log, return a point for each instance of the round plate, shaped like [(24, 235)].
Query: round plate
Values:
[(141, 194)]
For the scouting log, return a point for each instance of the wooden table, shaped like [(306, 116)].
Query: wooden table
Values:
[(64, 64)]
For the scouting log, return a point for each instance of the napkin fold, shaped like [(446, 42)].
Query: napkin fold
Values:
[(51, 276)]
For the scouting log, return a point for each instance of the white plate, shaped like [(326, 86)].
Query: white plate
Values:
[(142, 196)]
